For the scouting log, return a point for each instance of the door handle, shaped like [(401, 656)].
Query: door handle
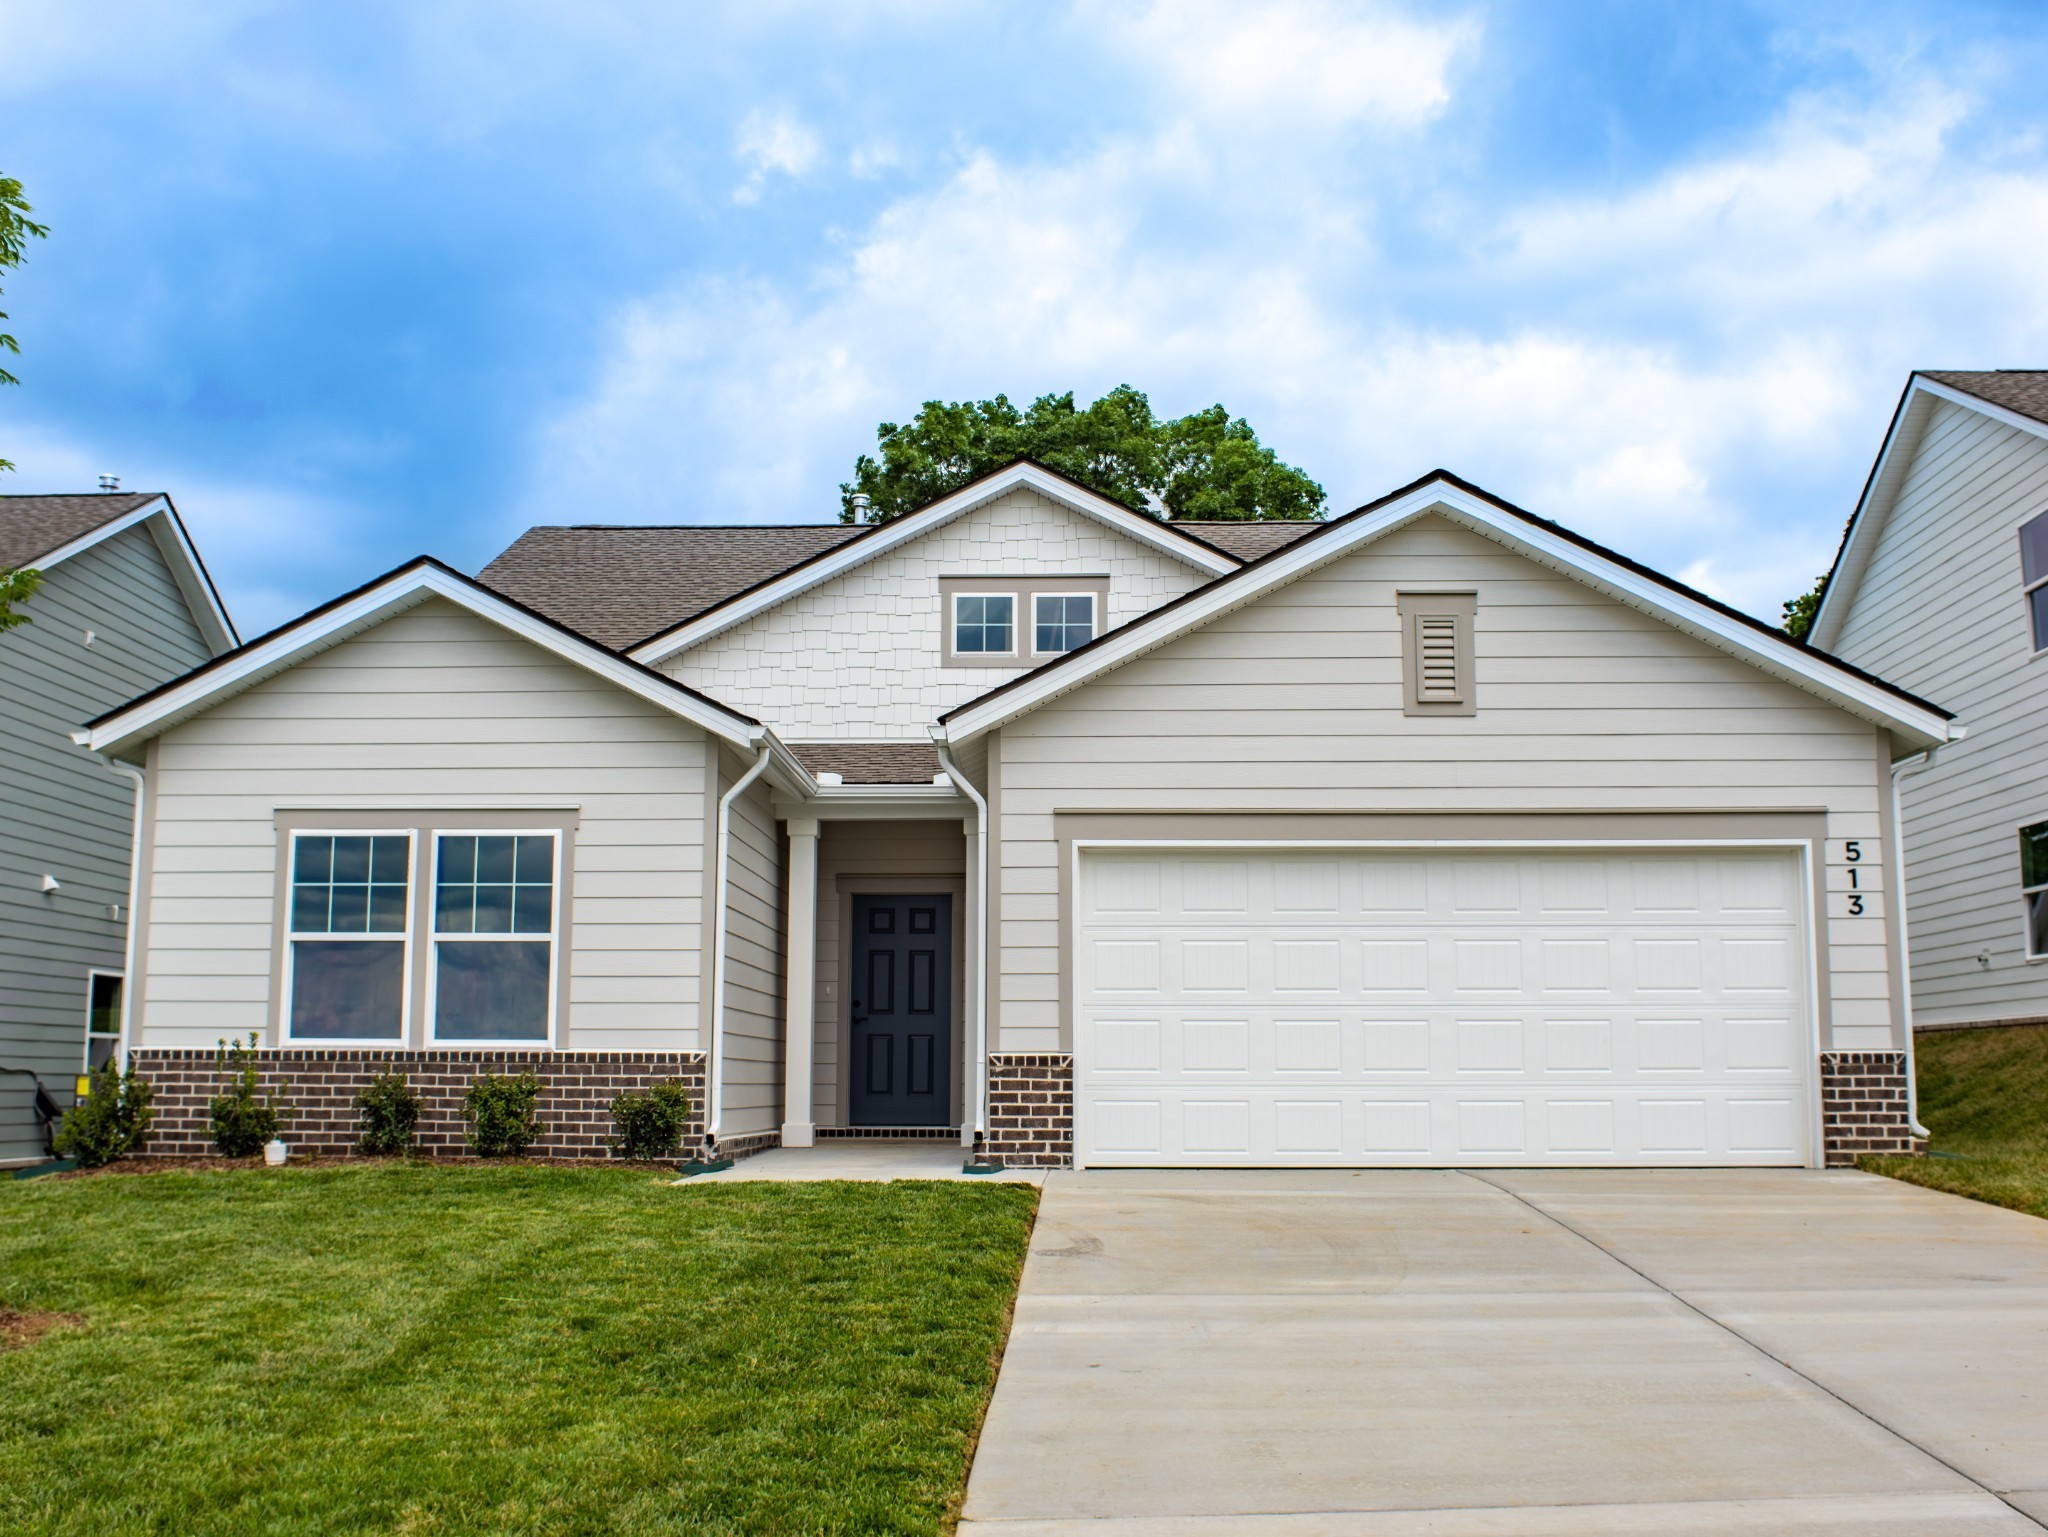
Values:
[(860, 1019)]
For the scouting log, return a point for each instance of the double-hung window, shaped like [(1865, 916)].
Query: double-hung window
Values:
[(346, 947), (1062, 621), (2034, 886), (495, 914), (2034, 576), (984, 623)]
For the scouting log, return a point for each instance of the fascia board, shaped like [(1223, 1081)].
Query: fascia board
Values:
[(194, 581), (1703, 623), (119, 731), (893, 536), (1981, 406)]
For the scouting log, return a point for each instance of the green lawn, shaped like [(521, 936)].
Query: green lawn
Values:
[(391, 1348), (1984, 1095)]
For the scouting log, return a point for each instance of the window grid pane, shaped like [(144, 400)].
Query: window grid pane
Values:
[(2037, 612), (349, 883), (495, 884), (1063, 621), (983, 623), (2034, 856), (2034, 549)]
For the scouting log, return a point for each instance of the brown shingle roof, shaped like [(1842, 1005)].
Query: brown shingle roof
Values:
[(2024, 390), (620, 585), (1248, 540), (32, 526), (871, 763)]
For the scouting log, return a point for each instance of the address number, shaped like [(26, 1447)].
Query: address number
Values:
[(1854, 851), (1855, 904)]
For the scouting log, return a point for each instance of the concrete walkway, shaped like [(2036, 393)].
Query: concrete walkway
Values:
[(859, 1159), (1393, 1354)]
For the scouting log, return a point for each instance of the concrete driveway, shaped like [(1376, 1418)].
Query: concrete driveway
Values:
[(1391, 1354)]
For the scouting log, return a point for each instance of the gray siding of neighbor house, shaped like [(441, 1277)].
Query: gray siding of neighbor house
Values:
[(62, 813), (754, 957), (1940, 610)]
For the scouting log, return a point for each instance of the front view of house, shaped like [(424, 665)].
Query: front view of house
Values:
[(1430, 835)]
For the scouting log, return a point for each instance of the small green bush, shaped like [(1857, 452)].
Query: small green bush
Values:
[(500, 1112), (650, 1125), (240, 1122), (110, 1122), (387, 1110)]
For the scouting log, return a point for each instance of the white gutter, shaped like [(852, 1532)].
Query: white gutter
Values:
[(714, 1057), (977, 991), (1917, 764)]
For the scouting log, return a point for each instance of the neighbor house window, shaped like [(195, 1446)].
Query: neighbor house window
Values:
[(1062, 621), (2034, 885), (102, 1017), (2034, 574), (346, 950), (494, 936), (984, 623)]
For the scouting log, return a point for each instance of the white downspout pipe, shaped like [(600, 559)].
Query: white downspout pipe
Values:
[(129, 980), (977, 991), (714, 1056), (1917, 764)]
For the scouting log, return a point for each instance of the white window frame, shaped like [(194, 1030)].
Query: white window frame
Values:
[(2029, 589), (969, 658), (404, 936), (2034, 957), (1094, 615), (114, 1035), (554, 938)]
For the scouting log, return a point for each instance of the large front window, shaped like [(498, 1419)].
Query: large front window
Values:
[(494, 936), (347, 937), (984, 623)]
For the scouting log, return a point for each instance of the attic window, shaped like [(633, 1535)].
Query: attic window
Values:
[(1436, 653)]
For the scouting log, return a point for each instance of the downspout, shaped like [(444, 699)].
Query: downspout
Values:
[(978, 966), (714, 1057), (129, 980), (1917, 764)]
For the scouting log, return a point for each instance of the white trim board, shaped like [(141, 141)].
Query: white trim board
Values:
[(167, 529), (1438, 495), (1881, 492), (1161, 536)]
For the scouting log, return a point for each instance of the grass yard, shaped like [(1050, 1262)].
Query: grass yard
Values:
[(1984, 1095), (504, 1349)]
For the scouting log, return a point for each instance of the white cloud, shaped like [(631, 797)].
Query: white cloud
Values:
[(773, 143)]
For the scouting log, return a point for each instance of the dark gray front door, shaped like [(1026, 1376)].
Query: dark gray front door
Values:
[(902, 997)]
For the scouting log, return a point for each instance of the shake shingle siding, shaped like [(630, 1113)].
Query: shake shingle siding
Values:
[(62, 813)]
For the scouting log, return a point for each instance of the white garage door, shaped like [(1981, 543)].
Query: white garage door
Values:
[(1441, 1008)]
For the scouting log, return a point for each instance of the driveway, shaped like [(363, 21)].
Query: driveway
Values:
[(1395, 1353)]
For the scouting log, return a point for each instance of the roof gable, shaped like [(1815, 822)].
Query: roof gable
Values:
[(1538, 539), (879, 539), (43, 532), (120, 731), (2018, 398)]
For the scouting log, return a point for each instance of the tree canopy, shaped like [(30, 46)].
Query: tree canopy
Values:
[(16, 230), (1206, 464), (1800, 612)]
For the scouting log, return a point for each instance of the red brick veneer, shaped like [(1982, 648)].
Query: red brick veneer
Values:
[(1864, 1106), (321, 1084), (1031, 1109)]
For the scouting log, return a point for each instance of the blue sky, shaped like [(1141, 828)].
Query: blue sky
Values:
[(358, 281)]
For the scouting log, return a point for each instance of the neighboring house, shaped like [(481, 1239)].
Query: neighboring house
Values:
[(1941, 584), (124, 604), (1434, 834)]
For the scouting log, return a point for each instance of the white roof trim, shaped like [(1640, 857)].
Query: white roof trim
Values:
[(1887, 477), (1783, 660), (179, 553), (407, 588), (890, 536)]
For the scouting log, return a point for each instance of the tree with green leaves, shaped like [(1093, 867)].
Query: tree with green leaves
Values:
[(16, 230), (1801, 611), (1206, 464), (16, 587)]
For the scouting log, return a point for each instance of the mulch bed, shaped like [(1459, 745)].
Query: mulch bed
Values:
[(194, 1165)]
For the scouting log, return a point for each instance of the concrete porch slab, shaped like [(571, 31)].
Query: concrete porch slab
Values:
[(840, 1158)]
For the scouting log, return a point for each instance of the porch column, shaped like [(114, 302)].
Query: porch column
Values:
[(800, 929)]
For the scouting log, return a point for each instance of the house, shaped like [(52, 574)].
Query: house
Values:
[(1431, 835), (1941, 584), (124, 604)]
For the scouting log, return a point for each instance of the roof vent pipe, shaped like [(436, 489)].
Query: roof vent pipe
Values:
[(110, 482), (863, 504)]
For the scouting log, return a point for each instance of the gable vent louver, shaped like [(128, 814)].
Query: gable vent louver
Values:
[(1437, 659)]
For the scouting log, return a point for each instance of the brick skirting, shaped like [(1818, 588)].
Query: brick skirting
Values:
[(1031, 1110), (320, 1085), (1864, 1106)]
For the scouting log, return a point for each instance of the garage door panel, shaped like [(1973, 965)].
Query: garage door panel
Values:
[(1553, 1008)]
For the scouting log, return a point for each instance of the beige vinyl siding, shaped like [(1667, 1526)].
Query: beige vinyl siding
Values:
[(62, 813), (432, 708), (1940, 611), (852, 854), (856, 658), (1294, 703), (754, 953)]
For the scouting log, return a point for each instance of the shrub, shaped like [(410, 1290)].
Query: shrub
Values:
[(650, 1125), (110, 1122), (387, 1110), (500, 1112), (240, 1122)]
